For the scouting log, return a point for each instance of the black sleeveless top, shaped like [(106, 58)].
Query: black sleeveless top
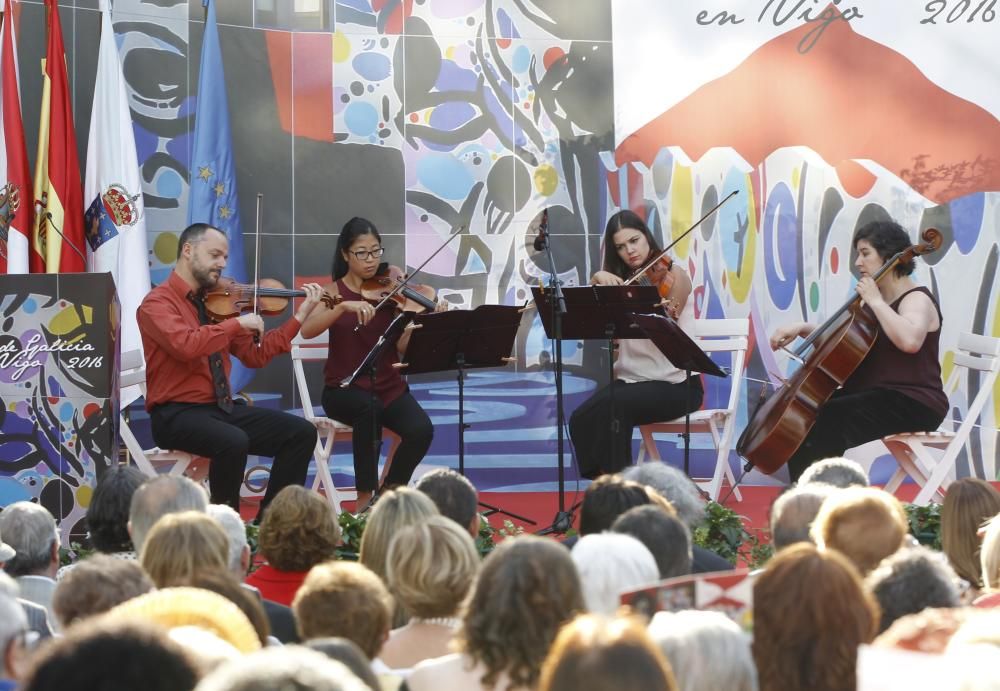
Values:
[(917, 375)]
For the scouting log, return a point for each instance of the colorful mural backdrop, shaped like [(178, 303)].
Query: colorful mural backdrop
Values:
[(430, 115)]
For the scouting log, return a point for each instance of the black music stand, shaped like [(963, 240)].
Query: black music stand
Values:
[(368, 366), (458, 340), (683, 353), (594, 312)]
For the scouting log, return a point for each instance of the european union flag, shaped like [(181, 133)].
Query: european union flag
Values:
[(212, 198)]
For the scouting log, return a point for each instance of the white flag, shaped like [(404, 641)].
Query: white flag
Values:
[(115, 220)]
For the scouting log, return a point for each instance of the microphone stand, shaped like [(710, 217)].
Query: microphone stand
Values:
[(563, 520), (47, 216)]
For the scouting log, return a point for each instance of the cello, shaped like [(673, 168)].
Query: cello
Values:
[(780, 424)]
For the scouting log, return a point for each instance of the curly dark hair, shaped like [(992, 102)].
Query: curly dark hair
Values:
[(299, 530), (527, 589), (886, 238), (107, 515), (817, 648)]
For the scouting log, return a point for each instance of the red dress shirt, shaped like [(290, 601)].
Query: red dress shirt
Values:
[(177, 346)]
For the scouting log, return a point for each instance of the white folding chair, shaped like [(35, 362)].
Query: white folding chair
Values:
[(912, 450), (714, 336), (133, 373), (329, 431)]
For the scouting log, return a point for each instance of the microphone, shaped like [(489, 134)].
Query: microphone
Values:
[(543, 231), (41, 210)]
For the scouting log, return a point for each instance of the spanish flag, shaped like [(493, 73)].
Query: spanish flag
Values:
[(57, 169)]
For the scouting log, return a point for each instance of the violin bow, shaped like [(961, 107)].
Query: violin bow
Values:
[(663, 252), (256, 264), (402, 284)]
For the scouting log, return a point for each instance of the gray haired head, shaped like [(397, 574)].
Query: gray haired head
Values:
[(673, 484), (31, 530), (161, 496), (910, 581), (839, 472)]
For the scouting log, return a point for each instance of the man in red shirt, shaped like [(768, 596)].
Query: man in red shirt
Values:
[(187, 374)]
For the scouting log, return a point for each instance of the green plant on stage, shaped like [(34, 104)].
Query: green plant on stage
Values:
[(925, 523), (75, 552), (488, 535), (727, 534), (352, 527)]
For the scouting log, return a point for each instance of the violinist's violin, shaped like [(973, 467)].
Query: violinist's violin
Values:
[(389, 282), (269, 297)]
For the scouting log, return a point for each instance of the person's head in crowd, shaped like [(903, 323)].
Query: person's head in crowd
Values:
[(224, 583), (665, 536), (431, 567), (811, 612), (706, 650), (607, 498), (291, 668), (454, 496), (864, 524), (108, 513), (794, 511), (673, 484), (180, 545), (343, 598), (989, 557), (837, 472), (13, 634), (236, 535), (609, 564), (186, 606), (527, 589), (395, 509), (97, 584), (968, 504), (911, 580), (107, 654), (164, 494), (346, 652), (30, 530), (599, 654), (299, 530)]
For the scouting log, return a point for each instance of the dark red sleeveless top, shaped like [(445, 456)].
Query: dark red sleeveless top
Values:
[(348, 349), (917, 375)]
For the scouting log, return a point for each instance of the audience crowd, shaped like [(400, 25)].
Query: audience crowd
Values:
[(173, 598)]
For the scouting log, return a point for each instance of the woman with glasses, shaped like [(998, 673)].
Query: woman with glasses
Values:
[(355, 327)]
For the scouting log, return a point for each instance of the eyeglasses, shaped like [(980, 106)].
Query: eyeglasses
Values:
[(362, 255)]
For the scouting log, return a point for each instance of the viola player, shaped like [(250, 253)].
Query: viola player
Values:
[(355, 326), (647, 388), (897, 387), (188, 397)]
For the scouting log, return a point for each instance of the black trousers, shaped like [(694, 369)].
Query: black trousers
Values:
[(404, 416), (599, 447), (849, 420), (227, 438)]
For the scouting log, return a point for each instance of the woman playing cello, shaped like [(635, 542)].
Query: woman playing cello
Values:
[(355, 327), (648, 388), (897, 387)]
